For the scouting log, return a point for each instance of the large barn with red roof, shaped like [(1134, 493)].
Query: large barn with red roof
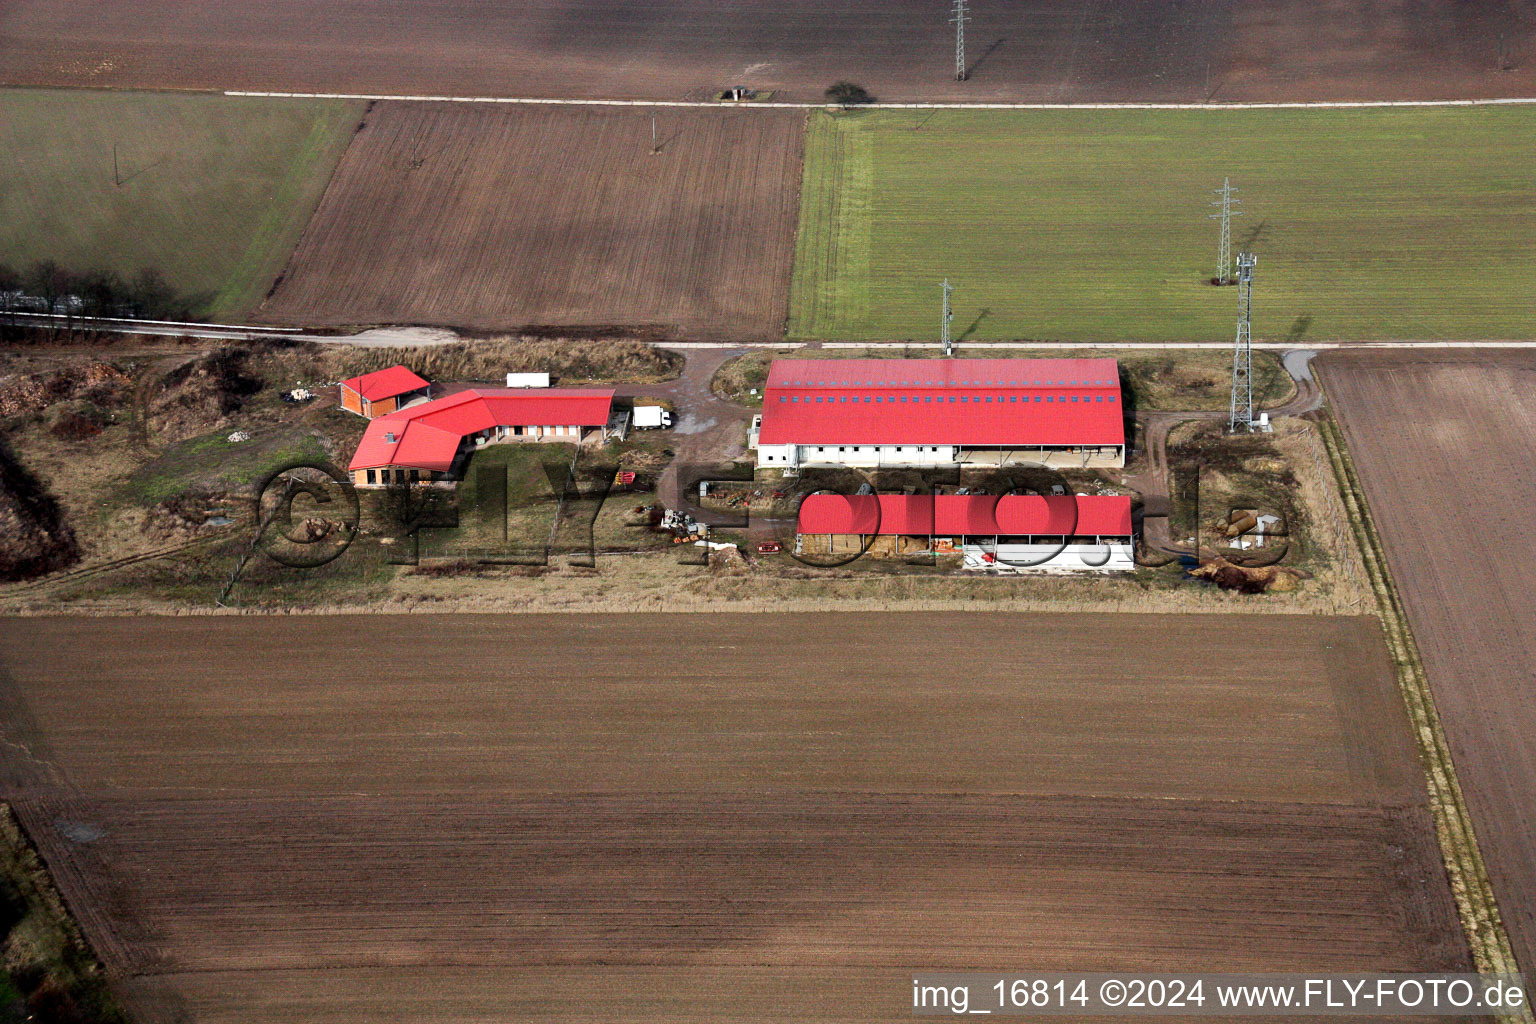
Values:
[(938, 412)]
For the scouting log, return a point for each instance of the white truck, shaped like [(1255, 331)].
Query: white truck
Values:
[(652, 417)]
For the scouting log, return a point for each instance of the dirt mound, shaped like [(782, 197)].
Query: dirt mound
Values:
[(99, 384), (728, 561), (1244, 580), (34, 538), (187, 515), (201, 393)]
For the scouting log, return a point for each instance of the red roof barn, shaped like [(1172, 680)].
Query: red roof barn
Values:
[(967, 515), (870, 412), (381, 392)]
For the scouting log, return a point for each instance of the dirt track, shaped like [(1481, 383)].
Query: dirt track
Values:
[(677, 808), (1443, 447), (495, 217), (1036, 50)]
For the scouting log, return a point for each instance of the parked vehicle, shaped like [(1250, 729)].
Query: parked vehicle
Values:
[(652, 417)]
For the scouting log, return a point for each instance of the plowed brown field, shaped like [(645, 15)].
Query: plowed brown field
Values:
[(1443, 448), (731, 817), (1035, 50), (498, 217)]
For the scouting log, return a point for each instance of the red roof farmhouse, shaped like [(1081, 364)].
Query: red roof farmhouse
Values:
[(430, 442), (932, 412)]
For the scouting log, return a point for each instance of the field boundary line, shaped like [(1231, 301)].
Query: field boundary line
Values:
[(1492, 952), (923, 105)]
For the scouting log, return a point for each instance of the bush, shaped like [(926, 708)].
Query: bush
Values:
[(848, 94), (567, 360)]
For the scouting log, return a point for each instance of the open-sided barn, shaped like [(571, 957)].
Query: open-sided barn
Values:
[(1003, 533), (936, 412)]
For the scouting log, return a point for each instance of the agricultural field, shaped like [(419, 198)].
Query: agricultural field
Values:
[(1091, 225), (298, 822), (210, 192), (1441, 443), (1188, 51), (487, 216)]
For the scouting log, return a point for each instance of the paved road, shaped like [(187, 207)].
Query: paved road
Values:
[(777, 105), (394, 337)]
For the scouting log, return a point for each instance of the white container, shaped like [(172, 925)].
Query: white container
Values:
[(527, 380)]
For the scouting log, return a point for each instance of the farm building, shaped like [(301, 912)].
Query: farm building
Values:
[(941, 412), (431, 442), (1005, 534), (382, 392)]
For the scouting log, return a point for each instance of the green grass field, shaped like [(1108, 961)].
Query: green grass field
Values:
[(211, 191), (1090, 225)]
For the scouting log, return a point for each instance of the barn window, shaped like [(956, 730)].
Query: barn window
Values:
[(373, 476)]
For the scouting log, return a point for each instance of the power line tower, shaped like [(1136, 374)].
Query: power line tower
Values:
[(959, 17), (949, 315), (1224, 249), (1241, 417)]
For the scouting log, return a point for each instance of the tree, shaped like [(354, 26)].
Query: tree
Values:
[(10, 289), (848, 95), (150, 296)]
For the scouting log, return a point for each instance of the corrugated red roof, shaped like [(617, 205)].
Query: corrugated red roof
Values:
[(427, 436), (1019, 403), (381, 384), (976, 515)]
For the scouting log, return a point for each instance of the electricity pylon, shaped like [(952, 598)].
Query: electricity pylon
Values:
[(1224, 248), (949, 315), (1241, 417), (959, 17)]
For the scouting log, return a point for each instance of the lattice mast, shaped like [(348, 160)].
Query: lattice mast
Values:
[(1241, 417), (1224, 247), (946, 319), (959, 17)]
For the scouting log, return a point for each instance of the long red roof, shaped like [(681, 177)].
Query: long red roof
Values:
[(1018, 403), (427, 436), (396, 380), (976, 515)]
